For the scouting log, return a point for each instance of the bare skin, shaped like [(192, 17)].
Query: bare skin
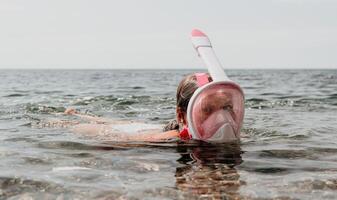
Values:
[(100, 124)]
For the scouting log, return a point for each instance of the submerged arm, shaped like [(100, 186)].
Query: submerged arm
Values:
[(104, 131), (155, 137), (95, 129)]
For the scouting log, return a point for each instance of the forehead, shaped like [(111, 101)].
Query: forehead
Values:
[(215, 95)]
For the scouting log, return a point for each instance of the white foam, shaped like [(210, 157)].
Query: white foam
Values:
[(57, 169)]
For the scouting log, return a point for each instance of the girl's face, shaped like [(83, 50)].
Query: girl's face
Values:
[(213, 108), (219, 100)]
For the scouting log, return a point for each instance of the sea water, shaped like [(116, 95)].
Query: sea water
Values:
[(288, 149)]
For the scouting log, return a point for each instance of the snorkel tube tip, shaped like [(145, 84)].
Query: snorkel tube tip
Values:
[(197, 33)]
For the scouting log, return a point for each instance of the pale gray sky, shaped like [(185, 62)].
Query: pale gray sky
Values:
[(155, 33)]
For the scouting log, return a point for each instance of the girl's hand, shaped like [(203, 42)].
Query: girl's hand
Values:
[(70, 111)]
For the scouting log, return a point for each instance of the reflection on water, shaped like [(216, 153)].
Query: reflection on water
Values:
[(209, 170)]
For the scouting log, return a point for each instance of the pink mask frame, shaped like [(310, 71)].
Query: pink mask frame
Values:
[(204, 85), (211, 97)]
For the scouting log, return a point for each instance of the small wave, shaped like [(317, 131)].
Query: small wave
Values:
[(271, 94), (76, 146), (320, 103), (289, 97), (257, 103), (285, 153), (261, 132), (323, 150), (79, 155), (15, 95), (43, 109), (129, 106), (91, 100), (125, 101), (21, 139), (134, 87), (23, 188), (332, 96), (273, 135), (138, 87), (271, 170), (309, 185), (49, 92), (306, 103), (256, 100), (36, 161)]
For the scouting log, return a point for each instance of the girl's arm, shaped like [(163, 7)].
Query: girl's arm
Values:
[(155, 137), (143, 137)]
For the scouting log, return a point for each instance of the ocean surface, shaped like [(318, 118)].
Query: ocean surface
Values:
[(289, 148)]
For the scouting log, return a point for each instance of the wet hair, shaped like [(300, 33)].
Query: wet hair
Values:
[(185, 91)]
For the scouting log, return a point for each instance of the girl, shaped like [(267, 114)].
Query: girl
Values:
[(137, 131)]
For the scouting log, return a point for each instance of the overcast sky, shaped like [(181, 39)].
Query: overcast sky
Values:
[(155, 33)]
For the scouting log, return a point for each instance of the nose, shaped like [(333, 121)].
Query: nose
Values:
[(215, 121)]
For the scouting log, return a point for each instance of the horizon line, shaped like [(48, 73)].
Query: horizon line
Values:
[(150, 68)]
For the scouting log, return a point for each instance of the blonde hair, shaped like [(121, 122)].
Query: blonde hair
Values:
[(185, 91)]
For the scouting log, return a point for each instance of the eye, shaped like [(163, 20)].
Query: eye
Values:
[(228, 107), (207, 110)]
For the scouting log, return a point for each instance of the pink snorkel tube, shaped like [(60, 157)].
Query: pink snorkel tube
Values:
[(215, 111)]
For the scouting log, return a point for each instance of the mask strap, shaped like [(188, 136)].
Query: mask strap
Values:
[(202, 79)]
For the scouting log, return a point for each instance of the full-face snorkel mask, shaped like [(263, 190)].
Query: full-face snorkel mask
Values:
[(216, 109)]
